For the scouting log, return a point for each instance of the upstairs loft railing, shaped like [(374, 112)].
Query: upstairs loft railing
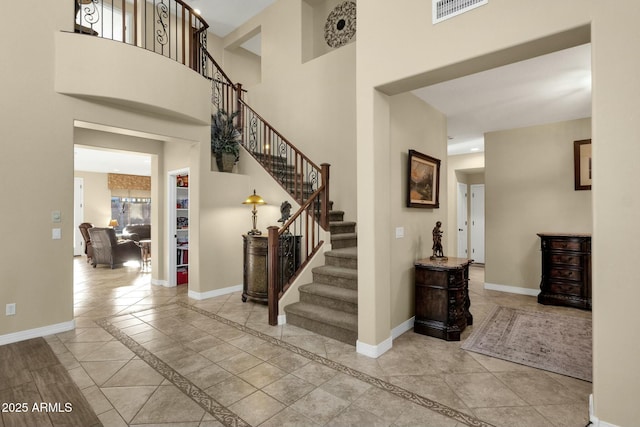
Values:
[(168, 27), (171, 28)]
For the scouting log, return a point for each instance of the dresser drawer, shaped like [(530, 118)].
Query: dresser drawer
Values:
[(565, 259), (578, 245), (565, 288), (565, 274)]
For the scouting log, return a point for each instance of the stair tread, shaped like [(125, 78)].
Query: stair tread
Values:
[(351, 252), (328, 291), (342, 223), (332, 270), (320, 314), (343, 236)]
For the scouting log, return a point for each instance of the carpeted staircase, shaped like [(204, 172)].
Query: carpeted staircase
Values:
[(329, 305)]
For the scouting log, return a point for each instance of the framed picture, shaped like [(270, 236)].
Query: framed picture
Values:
[(423, 181), (582, 164)]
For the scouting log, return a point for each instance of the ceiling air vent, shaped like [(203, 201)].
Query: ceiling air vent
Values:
[(445, 9)]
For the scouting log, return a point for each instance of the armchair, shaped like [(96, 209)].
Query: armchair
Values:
[(107, 249), (84, 230)]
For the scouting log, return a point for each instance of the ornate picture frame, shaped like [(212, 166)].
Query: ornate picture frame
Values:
[(582, 164), (423, 181)]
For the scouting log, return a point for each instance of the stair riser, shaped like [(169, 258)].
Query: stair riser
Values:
[(344, 243), (336, 216), (342, 228), (333, 303), (341, 261), (343, 335)]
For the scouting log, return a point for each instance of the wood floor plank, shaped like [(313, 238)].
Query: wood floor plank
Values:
[(24, 394), (31, 374)]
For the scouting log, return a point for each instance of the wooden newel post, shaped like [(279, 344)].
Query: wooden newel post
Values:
[(324, 215), (272, 279)]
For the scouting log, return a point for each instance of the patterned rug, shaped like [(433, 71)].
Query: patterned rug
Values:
[(553, 342)]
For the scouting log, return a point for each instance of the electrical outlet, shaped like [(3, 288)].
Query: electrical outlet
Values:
[(11, 309), (399, 232)]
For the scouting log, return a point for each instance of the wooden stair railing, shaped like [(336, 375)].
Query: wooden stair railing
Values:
[(291, 246)]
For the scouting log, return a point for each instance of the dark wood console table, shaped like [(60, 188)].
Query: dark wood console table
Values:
[(256, 267), (442, 297), (566, 270)]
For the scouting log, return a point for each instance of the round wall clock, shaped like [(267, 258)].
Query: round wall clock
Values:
[(341, 24)]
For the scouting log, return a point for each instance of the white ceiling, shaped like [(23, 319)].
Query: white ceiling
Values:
[(110, 161), (546, 89)]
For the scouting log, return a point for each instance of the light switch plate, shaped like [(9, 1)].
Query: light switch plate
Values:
[(56, 234), (10, 309), (399, 232)]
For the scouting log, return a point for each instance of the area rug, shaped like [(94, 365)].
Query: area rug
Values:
[(553, 342)]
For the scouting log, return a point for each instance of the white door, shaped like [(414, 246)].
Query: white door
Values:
[(477, 223), (462, 220), (78, 215)]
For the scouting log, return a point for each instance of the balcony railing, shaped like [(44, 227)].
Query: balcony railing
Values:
[(168, 27)]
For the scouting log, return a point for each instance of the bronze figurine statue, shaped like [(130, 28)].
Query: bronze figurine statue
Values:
[(437, 242)]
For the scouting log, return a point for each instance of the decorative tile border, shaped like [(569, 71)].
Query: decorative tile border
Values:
[(227, 417), (206, 402)]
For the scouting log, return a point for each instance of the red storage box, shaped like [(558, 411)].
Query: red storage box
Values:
[(183, 277)]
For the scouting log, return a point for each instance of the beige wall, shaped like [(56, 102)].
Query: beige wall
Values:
[(616, 107), (530, 189), (413, 125), (97, 198)]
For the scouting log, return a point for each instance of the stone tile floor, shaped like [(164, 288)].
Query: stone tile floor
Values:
[(160, 358)]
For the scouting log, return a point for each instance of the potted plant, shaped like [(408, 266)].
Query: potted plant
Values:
[(225, 140)]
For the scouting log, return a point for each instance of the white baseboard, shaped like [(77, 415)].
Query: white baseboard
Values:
[(214, 293), (282, 319), (164, 283), (374, 351), (512, 289), (405, 326), (37, 332)]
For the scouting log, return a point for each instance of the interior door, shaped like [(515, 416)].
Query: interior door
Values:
[(477, 223), (78, 215), (462, 220)]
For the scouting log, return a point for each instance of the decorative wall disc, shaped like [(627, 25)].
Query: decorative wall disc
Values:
[(341, 24)]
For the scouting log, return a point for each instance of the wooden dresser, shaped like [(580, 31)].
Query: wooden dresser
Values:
[(442, 297), (566, 270), (256, 270)]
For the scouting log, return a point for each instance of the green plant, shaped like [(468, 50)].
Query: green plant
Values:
[(225, 137)]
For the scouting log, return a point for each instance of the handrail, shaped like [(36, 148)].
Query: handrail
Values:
[(258, 116), (168, 27)]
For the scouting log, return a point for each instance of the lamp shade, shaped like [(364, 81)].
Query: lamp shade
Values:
[(254, 199), (113, 223)]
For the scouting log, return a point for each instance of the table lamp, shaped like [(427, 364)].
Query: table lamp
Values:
[(254, 200), (113, 223)]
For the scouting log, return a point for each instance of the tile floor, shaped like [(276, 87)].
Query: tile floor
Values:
[(160, 358)]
